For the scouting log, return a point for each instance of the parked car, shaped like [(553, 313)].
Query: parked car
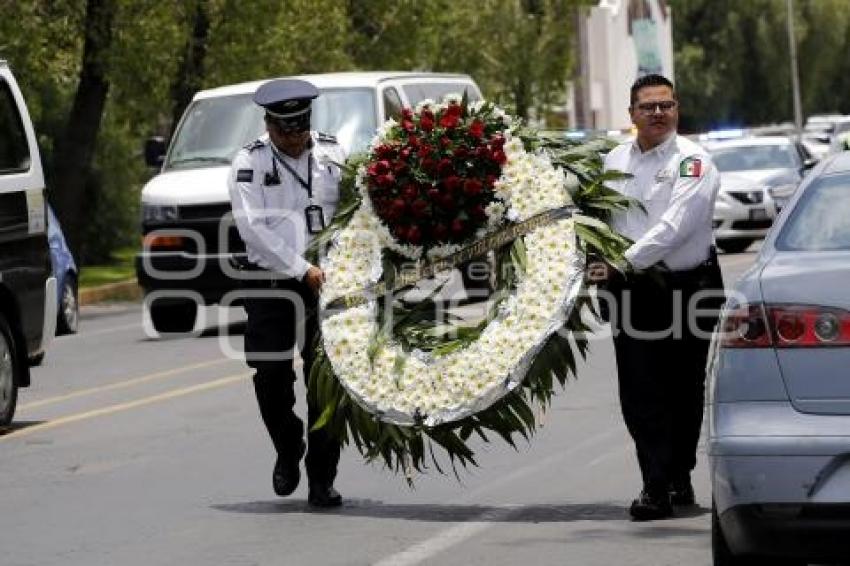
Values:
[(27, 287), (184, 260), (840, 140), (779, 419), (751, 170), (821, 130), (67, 276)]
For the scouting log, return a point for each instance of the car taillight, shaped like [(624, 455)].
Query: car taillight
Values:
[(800, 326), (786, 326), (746, 327), (158, 241)]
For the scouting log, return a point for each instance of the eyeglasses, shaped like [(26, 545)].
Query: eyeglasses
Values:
[(649, 108)]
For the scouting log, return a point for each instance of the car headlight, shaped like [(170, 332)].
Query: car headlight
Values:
[(782, 191), (159, 213)]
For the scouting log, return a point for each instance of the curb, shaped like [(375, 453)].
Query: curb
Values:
[(122, 291)]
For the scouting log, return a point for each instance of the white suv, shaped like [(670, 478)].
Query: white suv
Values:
[(757, 174), (184, 261)]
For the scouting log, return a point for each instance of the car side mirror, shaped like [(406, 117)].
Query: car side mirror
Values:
[(155, 149), (808, 164)]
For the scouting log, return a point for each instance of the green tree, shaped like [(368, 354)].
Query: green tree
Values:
[(732, 60), (519, 51), (101, 75), (75, 146), (190, 72)]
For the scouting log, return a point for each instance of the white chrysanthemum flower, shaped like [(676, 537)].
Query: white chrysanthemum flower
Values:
[(399, 382), (427, 103), (495, 212), (386, 127), (443, 250), (453, 98)]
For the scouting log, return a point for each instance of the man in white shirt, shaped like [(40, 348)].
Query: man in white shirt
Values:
[(661, 349), (284, 188)]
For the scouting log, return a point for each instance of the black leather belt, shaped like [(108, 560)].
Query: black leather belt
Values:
[(273, 281), (709, 263)]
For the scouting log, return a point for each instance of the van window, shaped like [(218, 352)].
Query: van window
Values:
[(213, 130), (14, 150), (417, 92), (392, 104)]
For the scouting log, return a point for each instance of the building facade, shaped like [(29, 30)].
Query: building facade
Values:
[(618, 41)]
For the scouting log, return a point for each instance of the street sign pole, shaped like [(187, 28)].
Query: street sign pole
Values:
[(795, 81)]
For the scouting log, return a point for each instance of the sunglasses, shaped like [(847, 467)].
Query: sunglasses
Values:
[(649, 108), (292, 130)]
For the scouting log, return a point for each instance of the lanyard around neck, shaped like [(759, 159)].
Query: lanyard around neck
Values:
[(308, 184)]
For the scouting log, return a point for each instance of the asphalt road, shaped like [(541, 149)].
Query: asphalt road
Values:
[(133, 451)]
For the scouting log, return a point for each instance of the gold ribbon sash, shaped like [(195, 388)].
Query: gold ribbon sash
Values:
[(422, 271)]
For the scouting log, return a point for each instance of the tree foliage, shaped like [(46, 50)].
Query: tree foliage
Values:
[(731, 68), (159, 53), (733, 63)]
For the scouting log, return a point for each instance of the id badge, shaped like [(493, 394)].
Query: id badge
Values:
[(315, 218)]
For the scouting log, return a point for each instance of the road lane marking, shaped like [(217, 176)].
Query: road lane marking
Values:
[(448, 538), (101, 331), (425, 550), (173, 394), (121, 384)]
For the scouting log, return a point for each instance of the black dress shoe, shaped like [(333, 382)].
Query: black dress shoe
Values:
[(323, 495), (682, 493), (649, 507), (287, 472)]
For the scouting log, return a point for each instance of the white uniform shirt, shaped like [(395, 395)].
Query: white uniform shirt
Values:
[(677, 183), (270, 218)]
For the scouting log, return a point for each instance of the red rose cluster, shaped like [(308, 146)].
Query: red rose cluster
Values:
[(433, 176)]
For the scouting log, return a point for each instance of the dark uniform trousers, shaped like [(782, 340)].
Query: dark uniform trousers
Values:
[(275, 324), (662, 379)]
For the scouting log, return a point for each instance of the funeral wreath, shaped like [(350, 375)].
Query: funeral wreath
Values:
[(396, 372)]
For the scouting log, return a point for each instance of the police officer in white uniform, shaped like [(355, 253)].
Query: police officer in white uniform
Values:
[(660, 356), (284, 189)]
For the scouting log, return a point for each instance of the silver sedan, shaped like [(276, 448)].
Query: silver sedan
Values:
[(753, 173), (779, 434)]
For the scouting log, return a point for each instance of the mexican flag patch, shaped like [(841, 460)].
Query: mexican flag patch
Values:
[(690, 167)]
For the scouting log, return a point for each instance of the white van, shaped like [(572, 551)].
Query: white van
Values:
[(186, 244), (27, 287)]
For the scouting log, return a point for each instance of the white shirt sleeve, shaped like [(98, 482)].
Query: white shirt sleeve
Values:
[(249, 213), (691, 202)]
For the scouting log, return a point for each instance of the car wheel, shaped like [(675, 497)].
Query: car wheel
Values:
[(722, 555), (69, 308), (172, 317), (8, 373), (734, 245)]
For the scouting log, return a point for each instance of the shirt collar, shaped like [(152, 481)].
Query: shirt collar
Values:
[(661, 149), (280, 155)]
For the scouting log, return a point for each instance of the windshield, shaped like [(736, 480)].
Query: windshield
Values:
[(214, 129), (754, 157), (821, 219), (348, 114)]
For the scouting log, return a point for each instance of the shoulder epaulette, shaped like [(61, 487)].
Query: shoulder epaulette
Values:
[(322, 137), (256, 144)]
